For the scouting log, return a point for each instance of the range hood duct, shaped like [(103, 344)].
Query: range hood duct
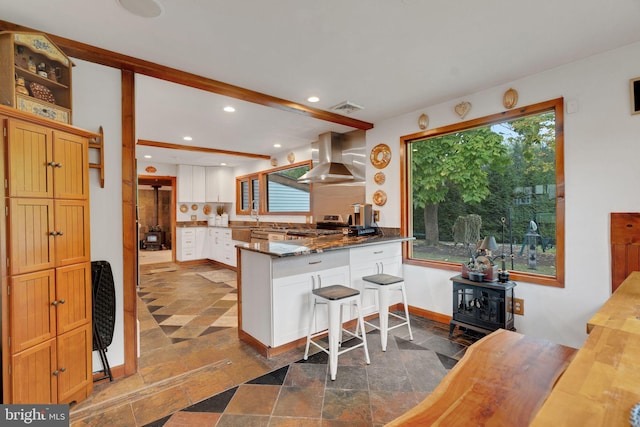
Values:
[(330, 167)]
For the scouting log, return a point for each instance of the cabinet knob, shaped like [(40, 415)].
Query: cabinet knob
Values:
[(58, 165), (63, 369), (52, 164), (54, 303), (55, 373), (53, 233), (62, 301), (60, 233)]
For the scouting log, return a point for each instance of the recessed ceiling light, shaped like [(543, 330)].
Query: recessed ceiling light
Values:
[(188, 138), (277, 145), (223, 164), (147, 156), (229, 109), (142, 8), (313, 99)]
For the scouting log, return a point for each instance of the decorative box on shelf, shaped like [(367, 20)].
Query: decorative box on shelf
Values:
[(489, 274)]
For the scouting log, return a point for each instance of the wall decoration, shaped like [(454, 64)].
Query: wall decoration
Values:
[(423, 121), (510, 98), (274, 162), (150, 169), (380, 156), (462, 109), (291, 157), (379, 178), (184, 208), (379, 198), (635, 95), (206, 209), (194, 207)]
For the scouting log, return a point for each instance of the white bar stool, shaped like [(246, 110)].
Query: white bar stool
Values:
[(335, 297), (384, 284)]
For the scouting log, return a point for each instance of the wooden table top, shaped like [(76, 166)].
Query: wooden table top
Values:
[(502, 380), (622, 310), (600, 386)]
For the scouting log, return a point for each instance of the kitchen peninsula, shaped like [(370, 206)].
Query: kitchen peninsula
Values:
[(275, 280)]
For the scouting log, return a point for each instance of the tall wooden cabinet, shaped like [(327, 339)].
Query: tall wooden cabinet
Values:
[(46, 264)]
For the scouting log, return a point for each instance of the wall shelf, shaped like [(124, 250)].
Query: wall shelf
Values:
[(97, 143)]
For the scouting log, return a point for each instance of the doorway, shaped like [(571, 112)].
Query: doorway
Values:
[(156, 219)]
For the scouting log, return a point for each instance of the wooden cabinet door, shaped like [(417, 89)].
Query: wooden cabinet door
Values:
[(32, 379), (29, 160), (31, 242), (625, 246), (73, 371), (73, 296), (72, 232), (71, 170), (33, 317)]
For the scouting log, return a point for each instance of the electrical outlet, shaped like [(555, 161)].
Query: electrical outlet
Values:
[(518, 306)]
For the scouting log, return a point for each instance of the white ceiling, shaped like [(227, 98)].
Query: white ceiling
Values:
[(389, 56)]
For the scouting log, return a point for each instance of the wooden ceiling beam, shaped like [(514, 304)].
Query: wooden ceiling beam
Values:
[(109, 58), (171, 146)]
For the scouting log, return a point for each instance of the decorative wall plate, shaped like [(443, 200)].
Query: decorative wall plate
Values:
[(380, 156), (462, 109), (206, 209), (184, 208), (379, 178), (194, 207), (423, 121), (379, 198), (510, 98)]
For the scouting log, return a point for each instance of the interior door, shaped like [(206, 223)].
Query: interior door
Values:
[(625, 246)]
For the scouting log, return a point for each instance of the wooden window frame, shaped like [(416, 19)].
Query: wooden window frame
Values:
[(261, 178), (555, 105)]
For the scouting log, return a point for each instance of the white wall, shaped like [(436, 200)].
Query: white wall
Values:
[(601, 152), (97, 102), (602, 148)]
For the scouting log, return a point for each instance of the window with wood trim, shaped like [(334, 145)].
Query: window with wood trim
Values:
[(275, 191), (498, 176)]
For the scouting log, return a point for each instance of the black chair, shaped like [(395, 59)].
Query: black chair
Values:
[(104, 312)]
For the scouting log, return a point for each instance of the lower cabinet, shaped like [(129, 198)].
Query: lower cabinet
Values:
[(276, 291), (368, 260), (52, 372), (191, 243), (51, 335), (221, 246), (292, 303)]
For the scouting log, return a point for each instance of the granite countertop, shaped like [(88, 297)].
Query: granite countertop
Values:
[(284, 248)]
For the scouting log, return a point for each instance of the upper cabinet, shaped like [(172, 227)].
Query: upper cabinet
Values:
[(35, 76), (220, 185), (46, 163), (191, 183)]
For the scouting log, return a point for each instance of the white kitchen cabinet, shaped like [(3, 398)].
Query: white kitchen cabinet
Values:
[(198, 184), (191, 184), (220, 185), (279, 303), (191, 243), (368, 260), (221, 246), (184, 180), (202, 249), (292, 303)]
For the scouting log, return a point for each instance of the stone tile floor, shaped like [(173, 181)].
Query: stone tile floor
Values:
[(204, 376)]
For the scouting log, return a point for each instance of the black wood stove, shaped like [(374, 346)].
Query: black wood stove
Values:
[(482, 306)]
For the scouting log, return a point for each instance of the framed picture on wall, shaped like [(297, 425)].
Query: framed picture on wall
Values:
[(635, 95)]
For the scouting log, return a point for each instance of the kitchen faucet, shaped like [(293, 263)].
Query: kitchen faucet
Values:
[(254, 212)]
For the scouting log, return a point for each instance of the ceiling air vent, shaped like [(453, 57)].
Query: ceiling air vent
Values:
[(346, 107)]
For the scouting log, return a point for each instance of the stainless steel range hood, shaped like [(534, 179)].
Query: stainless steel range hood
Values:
[(330, 167)]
